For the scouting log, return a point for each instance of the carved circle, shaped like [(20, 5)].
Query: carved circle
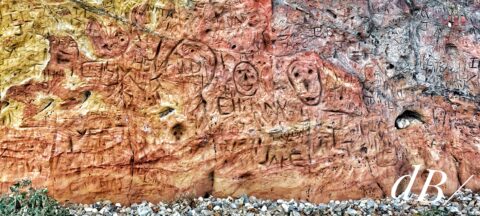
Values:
[(192, 63), (304, 77), (246, 79)]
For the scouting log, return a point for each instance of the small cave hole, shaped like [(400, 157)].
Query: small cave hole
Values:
[(407, 118), (81, 131), (245, 175), (166, 112), (177, 131), (4, 104), (364, 149), (211, 175), (86, 95), (234, 46), (206, 195), (390, 66)]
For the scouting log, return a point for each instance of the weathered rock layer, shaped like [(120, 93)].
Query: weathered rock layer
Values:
[(312, 100)]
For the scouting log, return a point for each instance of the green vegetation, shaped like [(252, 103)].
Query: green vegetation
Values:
[(25, 200)]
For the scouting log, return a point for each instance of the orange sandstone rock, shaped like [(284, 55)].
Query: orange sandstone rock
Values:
[(312, 100)]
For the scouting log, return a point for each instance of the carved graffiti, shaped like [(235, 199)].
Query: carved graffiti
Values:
[(109, 41), (235, 96), (191, 63), (246, 78), (64, 52), (304, 77)]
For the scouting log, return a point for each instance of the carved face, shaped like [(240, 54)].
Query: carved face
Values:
[(245, 77), (193, 63), (305, 79), (64, 50), (108, 41)]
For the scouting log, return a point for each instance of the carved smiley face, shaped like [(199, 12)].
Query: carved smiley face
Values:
[(245, 77), (108, 41), (304, 77)]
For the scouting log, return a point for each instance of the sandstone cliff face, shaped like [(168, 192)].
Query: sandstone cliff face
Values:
[(312, 100)]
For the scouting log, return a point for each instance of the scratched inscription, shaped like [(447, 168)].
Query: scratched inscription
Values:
[(317, 99)]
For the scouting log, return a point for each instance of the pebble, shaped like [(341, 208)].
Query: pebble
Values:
[(351, 211), (295, 213), (464, 202), (285, 207), (145, 210), (264, 208)]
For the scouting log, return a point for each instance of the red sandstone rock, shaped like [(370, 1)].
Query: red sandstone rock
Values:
[(301, 99)]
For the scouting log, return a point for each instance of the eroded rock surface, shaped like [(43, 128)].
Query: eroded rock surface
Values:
[(312, 100)]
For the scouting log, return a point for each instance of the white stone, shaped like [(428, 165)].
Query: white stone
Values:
[(285, 207), (264, 208)]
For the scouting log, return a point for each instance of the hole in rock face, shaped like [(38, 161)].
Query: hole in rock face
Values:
[(82, 131), (407, 118), (245, 175), (234, 46), (4, 104), (177, 131), (166, 112), (390, 66), (364, 149), (86, 95)]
